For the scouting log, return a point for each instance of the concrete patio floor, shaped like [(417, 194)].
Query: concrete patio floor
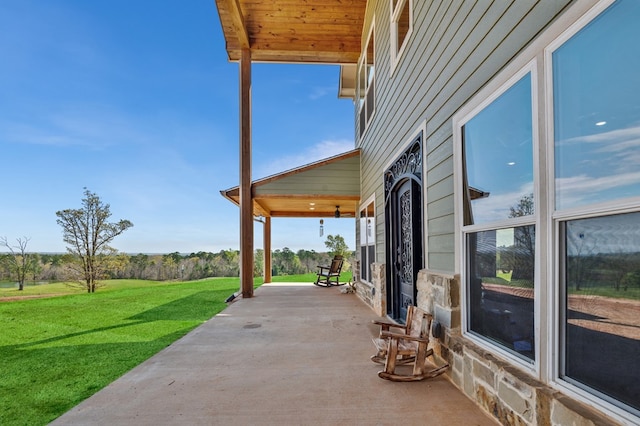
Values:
[(295, 354)]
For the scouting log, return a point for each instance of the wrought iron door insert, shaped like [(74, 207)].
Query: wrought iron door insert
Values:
[(403, 219)]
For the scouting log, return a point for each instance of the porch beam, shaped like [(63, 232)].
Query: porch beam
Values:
[(246, 202), (237, 21)]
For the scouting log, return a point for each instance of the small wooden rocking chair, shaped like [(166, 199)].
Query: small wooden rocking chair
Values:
[(382, 344), (409, 347), (330, 275)]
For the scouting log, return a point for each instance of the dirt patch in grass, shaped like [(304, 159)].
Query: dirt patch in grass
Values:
[(29, 296)]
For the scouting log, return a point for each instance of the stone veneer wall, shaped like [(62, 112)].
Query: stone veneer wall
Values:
[(374, 294), (511, 396)]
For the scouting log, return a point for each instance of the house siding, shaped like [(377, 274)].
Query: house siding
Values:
[(456, 48), (341, 178)]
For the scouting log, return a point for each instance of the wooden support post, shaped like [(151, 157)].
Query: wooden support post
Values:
[(246, 201), (267, 249)]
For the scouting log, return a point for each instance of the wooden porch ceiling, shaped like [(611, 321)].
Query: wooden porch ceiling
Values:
[(295, 31), (313, 190)]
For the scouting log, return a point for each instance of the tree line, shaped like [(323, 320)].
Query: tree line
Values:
[(90, 258), (51, 267)]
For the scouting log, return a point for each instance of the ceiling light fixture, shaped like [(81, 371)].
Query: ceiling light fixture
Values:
[(601, 123), (337, 212)]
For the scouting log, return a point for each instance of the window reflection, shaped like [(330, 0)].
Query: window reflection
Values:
[(501, 281), (367, 241), (498, 150), (596, 110), (602, 304), (403, 25)]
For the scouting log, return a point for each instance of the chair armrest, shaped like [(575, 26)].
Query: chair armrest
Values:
[(385, 334), (386, 325), (324, 267)]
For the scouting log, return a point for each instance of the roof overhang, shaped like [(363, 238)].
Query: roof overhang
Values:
[(294, 31), (348, 81), (313, 190)]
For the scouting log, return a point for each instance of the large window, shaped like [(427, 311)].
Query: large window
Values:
[(401, 27), (550, 243), (366, 84), (499, 222), (596, 123), (367, 241)]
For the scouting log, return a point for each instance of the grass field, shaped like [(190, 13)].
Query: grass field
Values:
[(58, 351)]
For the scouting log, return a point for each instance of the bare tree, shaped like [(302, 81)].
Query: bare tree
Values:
[(19, 260), (88, 234)]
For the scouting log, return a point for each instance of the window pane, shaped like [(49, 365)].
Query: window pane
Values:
[(371, 258), (498, 150), (370, 78), (367, 241), (500, 274), (602, 305), (403, 24), (370, 60), (362, 84), (371, 101), (596, 111)]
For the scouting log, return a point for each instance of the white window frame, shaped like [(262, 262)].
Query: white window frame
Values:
[(395, 50), (589, 211), (459, 122)]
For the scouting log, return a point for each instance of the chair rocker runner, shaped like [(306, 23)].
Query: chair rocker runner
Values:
[(330, 275), (405, 348)]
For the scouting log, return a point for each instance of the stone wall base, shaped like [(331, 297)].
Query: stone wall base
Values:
[(510, 395)]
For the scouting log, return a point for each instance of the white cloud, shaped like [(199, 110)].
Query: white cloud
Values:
[(317, 152), (574, 190), (320, 92), (614, 136)]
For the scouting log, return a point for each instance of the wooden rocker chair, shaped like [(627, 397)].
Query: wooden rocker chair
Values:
[(382, 343), (405, 348), (330, 275)]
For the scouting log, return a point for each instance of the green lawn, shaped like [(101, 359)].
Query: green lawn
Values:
[(57, 351)]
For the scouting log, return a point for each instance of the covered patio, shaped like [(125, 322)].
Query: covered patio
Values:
[(326, 188), (291, 31), (293, 354)]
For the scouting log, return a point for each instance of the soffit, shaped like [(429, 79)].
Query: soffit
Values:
[(294, 31), (313, 190)]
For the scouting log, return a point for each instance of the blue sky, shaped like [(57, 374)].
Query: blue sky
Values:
[(140, 105)]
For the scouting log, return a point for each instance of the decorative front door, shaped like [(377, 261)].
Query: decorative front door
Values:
[(403, 218)]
